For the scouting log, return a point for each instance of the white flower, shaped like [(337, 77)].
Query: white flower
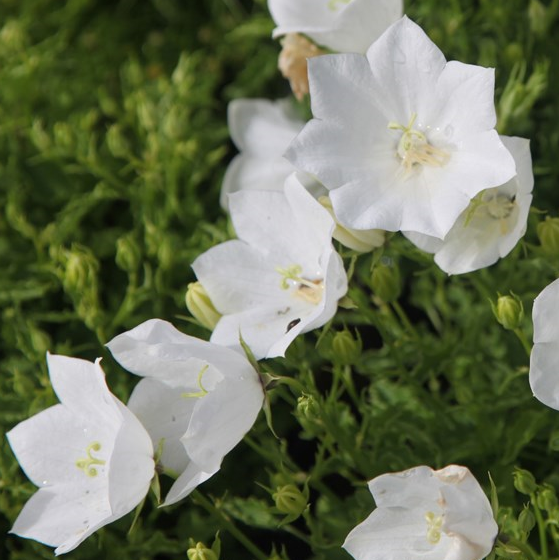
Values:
[(261, 130), (491, 225), (282, 276), (544, 359), (340, 25), (425, 514), (89, 455), (197, 400), (401, 138)]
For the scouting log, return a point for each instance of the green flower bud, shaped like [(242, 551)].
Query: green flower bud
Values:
[(538, 17), (81, 269), (117, 143), (200, 306), (385, 281), (308, 407), (39, 136), (524, 481), (546, 499), (201, 552), (548, 234), (128, 253), (146, 113), (362, 241), (346, 348), (290, 500), (509, 311), (526, 520), (63, 137)]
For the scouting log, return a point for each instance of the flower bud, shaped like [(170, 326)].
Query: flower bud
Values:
[(307, 406), (128, 253), (538, 17), (362, 241), (39, 136), (526, 520), (117, 143), (509, 311), (548, 234), (385, 282), (546, 499), (201, 552), (63, 136), (524, 481), (290, 500), (346, 348), (200, 306)]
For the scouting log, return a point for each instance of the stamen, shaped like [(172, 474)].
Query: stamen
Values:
[(495, 205), (414, 149), (202, 392), (434, 525), (86, 464), (309, 290)]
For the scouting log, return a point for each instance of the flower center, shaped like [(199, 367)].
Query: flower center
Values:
[(309, 290), (434, 525), (496, 205), (87, 464), (202, 392), (333, 4), (414, 149)]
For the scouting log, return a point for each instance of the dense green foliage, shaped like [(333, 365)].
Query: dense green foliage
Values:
[(113, 144)]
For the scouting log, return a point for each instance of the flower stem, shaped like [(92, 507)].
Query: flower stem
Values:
[(522, 337), (541, 528), (212, 509), (404, 319)]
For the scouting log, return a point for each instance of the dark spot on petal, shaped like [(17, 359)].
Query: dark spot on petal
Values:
[(292, 324)]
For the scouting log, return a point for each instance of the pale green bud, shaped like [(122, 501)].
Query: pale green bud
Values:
[(81, 269), (385, 282), (290, 500), (116, 141), (362, 241), (548, 234), (146, 113), (201, 552), (538, 17), (39, 136), (346, 348), (546, 499), (509, 311), (526, 520), (524, 481), (128, 253), (307, 406), (63, 137), (200, 306)]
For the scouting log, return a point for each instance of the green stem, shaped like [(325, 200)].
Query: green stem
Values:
[(199, 498), (522, 337), (404, 319), (541, 528), (525, 548)]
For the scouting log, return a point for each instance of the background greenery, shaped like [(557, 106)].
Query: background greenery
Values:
[(113, 144)]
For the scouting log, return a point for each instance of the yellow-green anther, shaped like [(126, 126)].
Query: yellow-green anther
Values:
[(87, 464), (310, 290), (202, 392), (434, 525)]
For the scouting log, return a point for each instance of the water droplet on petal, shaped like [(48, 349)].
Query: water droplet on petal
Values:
[(45, 482)]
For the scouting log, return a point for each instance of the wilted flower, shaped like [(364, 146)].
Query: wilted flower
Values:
[(197, 400), (261, 130), (544, 360), (401, 138), (491, 225), (340, 25), (282, 277), (425, 514), (89, 455)]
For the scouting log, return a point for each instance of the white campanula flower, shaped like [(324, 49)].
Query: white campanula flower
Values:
[(340, 25), (401, 138), (261, 129), (491, 225), (544, 359), (425, 514), (197, 399), (282, 277), (89, 455)]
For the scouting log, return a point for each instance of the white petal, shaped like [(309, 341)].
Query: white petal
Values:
[(191, 477), (544, 371), (221, 419), (544, 314), (131, 467), (424, 242)]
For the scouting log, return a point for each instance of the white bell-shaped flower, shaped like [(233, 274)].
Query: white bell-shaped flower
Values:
[(89, 455), (401, 138), (491, 225), (282, 277), (340, 25), (197, 399), (424, 514), (261, 129), (544, 359)]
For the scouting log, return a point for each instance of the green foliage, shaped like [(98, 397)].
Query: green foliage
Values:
[(113, 144)]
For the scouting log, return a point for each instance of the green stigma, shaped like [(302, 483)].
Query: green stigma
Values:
[(202, 392), (309, 290), (87, 464)]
